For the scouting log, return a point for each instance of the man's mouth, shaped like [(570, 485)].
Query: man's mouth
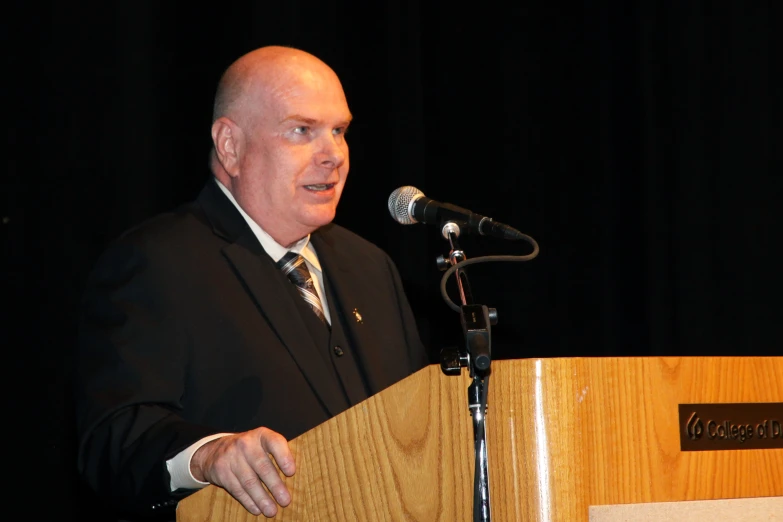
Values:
[(320, 187)]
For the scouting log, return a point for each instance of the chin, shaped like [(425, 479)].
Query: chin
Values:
[(320, 219)]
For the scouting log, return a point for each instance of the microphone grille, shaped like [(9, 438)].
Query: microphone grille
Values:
[(400, 204)]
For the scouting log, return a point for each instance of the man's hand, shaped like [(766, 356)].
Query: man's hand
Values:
[(243, 464)]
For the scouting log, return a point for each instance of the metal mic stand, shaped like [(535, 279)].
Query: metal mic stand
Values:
[(476, 355)]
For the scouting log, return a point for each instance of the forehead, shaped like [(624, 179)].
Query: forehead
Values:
[(308, 94)]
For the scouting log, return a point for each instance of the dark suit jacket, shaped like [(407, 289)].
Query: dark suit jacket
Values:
[(189, 329)]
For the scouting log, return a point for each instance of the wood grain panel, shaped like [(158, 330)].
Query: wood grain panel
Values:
[(563, 434)]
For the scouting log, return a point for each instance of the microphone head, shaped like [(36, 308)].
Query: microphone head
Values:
[(400, 204)]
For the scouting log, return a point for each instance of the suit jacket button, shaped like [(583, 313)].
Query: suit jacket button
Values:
[(338, 351)]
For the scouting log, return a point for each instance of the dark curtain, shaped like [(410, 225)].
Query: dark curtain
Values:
[(638, 142)]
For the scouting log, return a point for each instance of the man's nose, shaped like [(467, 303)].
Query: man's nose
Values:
[(333, 153)]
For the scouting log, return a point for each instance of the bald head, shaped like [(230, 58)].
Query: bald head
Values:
[(261, 74), (278, 135)]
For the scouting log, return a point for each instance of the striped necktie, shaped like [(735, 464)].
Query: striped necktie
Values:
[(293, 265)]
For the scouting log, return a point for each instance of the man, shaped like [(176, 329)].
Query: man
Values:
[(198, 356)]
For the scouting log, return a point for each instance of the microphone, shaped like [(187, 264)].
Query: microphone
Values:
[(409, 205)]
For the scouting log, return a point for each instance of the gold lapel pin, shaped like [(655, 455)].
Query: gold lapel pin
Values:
[(357, 315)]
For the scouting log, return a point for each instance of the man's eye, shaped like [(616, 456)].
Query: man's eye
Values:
[(302, 130), (340, 130)]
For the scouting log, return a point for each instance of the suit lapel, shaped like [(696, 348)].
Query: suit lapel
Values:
[(263, 281)]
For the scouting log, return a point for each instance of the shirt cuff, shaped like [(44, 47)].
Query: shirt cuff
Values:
[(179, 466)]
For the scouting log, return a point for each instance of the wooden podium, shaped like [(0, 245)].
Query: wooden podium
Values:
[(562, 434)]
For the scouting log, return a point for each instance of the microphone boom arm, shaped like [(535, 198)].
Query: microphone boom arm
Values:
[(408, 205), (475, 320)]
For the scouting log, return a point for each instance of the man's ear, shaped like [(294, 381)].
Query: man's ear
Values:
[(227, 138)]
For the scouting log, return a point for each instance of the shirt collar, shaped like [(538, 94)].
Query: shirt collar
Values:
[(275, 250)]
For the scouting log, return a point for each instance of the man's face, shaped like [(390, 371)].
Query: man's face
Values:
[(295, 159)]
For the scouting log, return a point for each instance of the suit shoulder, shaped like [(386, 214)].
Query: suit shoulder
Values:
[(167, 228), (163, 242)]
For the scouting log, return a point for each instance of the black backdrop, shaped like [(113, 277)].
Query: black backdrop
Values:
[(638, 142)]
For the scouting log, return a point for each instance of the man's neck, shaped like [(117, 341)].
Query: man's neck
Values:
[(274, 247)]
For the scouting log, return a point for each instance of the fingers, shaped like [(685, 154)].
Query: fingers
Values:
[(246, 465), (254, 499), (276, 454), (275, 445)]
